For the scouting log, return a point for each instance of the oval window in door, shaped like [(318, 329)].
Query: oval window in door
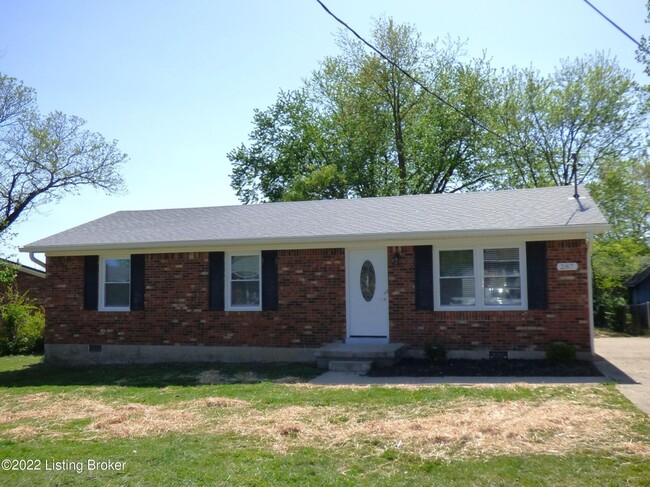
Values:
[(367, 280)]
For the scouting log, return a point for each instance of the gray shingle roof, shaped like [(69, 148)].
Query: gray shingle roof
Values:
[(537, 210)]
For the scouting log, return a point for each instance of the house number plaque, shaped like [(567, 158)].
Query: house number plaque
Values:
[(567, 266)]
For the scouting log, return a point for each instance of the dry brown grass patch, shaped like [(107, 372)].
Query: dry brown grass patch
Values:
[(427, 429), (139, 420), (23, 431), (514, 427), (222, 402), (108, 419)]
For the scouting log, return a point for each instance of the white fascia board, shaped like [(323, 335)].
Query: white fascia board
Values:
[(333, 241), (31, 272)]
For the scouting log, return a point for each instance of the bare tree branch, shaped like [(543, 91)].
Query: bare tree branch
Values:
[(44, 158)]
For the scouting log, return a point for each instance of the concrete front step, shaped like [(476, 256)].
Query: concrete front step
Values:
[(356, 366), (381, 354)]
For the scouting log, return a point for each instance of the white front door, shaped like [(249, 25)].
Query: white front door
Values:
[(367, 293)]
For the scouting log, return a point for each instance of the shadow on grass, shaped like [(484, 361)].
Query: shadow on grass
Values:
[(158, 375)]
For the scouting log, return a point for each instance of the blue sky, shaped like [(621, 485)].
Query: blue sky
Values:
[(176, 82)]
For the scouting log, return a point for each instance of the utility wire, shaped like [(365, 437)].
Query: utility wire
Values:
[(416, 81), (615, 25)]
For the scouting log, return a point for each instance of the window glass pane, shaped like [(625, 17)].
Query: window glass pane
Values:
[(457, 292), (117, 295), (245, 267), (245, 293), (501, 254), (118, 270), (506, 282), (502, 296), (505, 268), (501, 282), (456, 263)]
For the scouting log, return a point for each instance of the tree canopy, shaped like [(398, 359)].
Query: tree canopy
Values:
[(45, 157), (360, 127), (589, 107)]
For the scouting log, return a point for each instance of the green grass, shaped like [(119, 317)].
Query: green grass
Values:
[(213, 454)]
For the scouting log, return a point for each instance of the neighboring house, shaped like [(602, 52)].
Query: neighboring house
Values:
[(639, 286), (488, 273), (29, 280)]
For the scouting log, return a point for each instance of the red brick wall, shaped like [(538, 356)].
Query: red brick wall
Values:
[(311, 307), (566, 319), (36, 287)]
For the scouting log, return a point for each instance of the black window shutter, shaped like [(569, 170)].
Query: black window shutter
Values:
[(423, 277), (536, 274), (91, 282), (137, 282), (269, 280), (216, 275)]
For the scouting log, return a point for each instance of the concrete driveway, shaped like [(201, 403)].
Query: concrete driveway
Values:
[(627, 362)]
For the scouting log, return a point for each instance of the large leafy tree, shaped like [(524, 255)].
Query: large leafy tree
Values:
[(589, 108), (43, 158), (622, 189), (360, 127)]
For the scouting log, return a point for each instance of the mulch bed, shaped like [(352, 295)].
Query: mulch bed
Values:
[(411, 367)]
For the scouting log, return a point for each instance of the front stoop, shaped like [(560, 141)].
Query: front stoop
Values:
[(344, 354)]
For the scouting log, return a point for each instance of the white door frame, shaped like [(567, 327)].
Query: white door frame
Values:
[(353, 280)]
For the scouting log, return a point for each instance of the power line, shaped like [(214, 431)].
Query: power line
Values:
[(416, 81), (615, 25)]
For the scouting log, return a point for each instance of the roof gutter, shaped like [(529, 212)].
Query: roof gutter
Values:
[(33, 258)]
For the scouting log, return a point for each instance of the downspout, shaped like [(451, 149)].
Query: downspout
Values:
[(590, 238), (33, 258)]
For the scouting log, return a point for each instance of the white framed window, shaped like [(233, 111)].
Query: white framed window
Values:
[(484, 278), (115, 284), (457, 277), (502, 277), (244, 282)]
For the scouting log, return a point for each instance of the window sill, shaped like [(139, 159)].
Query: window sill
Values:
[(244, 308), (481, 308)]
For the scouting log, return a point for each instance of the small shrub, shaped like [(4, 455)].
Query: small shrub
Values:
[(561, 353), (21, 325), (436, 352)]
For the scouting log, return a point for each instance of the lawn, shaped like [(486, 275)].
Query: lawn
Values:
[(263, 425)]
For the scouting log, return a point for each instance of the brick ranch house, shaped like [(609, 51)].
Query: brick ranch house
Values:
[(487, 273)]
